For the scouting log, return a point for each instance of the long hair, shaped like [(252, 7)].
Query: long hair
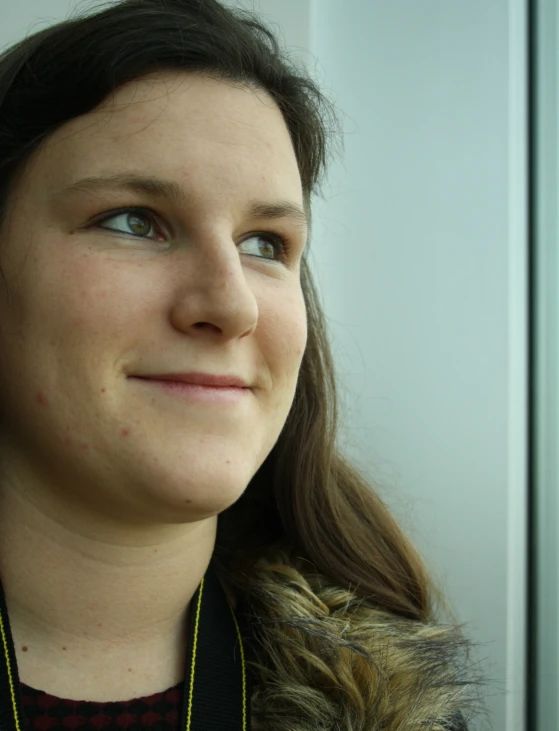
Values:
[(310, 534)]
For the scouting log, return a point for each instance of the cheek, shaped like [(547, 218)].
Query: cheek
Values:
[(300, 328), (284, 337), (281, 341), (97, 306), (58, 324)]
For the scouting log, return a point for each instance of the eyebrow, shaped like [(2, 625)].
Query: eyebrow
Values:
[(160, 188)]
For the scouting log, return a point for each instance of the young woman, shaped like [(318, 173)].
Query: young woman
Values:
[(182, 544)]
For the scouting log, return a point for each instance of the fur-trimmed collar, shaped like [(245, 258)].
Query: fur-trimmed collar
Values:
[(354, 668)]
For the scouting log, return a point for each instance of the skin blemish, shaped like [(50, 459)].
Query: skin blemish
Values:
[(126, 431), (63, 648), (42, 399), (103, 390), (25, 648)]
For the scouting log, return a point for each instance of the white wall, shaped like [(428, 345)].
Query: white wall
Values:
[(420, 251)]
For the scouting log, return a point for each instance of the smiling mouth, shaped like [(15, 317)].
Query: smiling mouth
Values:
[(197, 392)]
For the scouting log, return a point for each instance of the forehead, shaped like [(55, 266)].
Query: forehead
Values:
[(191, 125)]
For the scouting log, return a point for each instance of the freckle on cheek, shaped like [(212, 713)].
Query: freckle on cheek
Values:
[(42, 399), (25, 648), (126, 431)]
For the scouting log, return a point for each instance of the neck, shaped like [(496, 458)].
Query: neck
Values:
[(72, 592)]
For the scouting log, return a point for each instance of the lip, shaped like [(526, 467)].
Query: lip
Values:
[(193, 392), (199, 379)]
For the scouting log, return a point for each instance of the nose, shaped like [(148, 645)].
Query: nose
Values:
[(215, 291)]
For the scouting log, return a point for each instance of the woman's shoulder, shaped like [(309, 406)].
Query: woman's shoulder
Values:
[(422, 673), (365, 669)]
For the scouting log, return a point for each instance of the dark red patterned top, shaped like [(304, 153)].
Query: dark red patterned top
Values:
[(157, 712)]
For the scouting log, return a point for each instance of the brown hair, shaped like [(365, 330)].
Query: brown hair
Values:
[(310, 526)]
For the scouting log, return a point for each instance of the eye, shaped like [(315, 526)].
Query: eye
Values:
[(142, 221), (134, 218), (278, 245)]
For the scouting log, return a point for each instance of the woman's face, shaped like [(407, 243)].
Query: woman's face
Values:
[(194, 282)]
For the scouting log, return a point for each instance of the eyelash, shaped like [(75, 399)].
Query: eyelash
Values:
[(281, 243)]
